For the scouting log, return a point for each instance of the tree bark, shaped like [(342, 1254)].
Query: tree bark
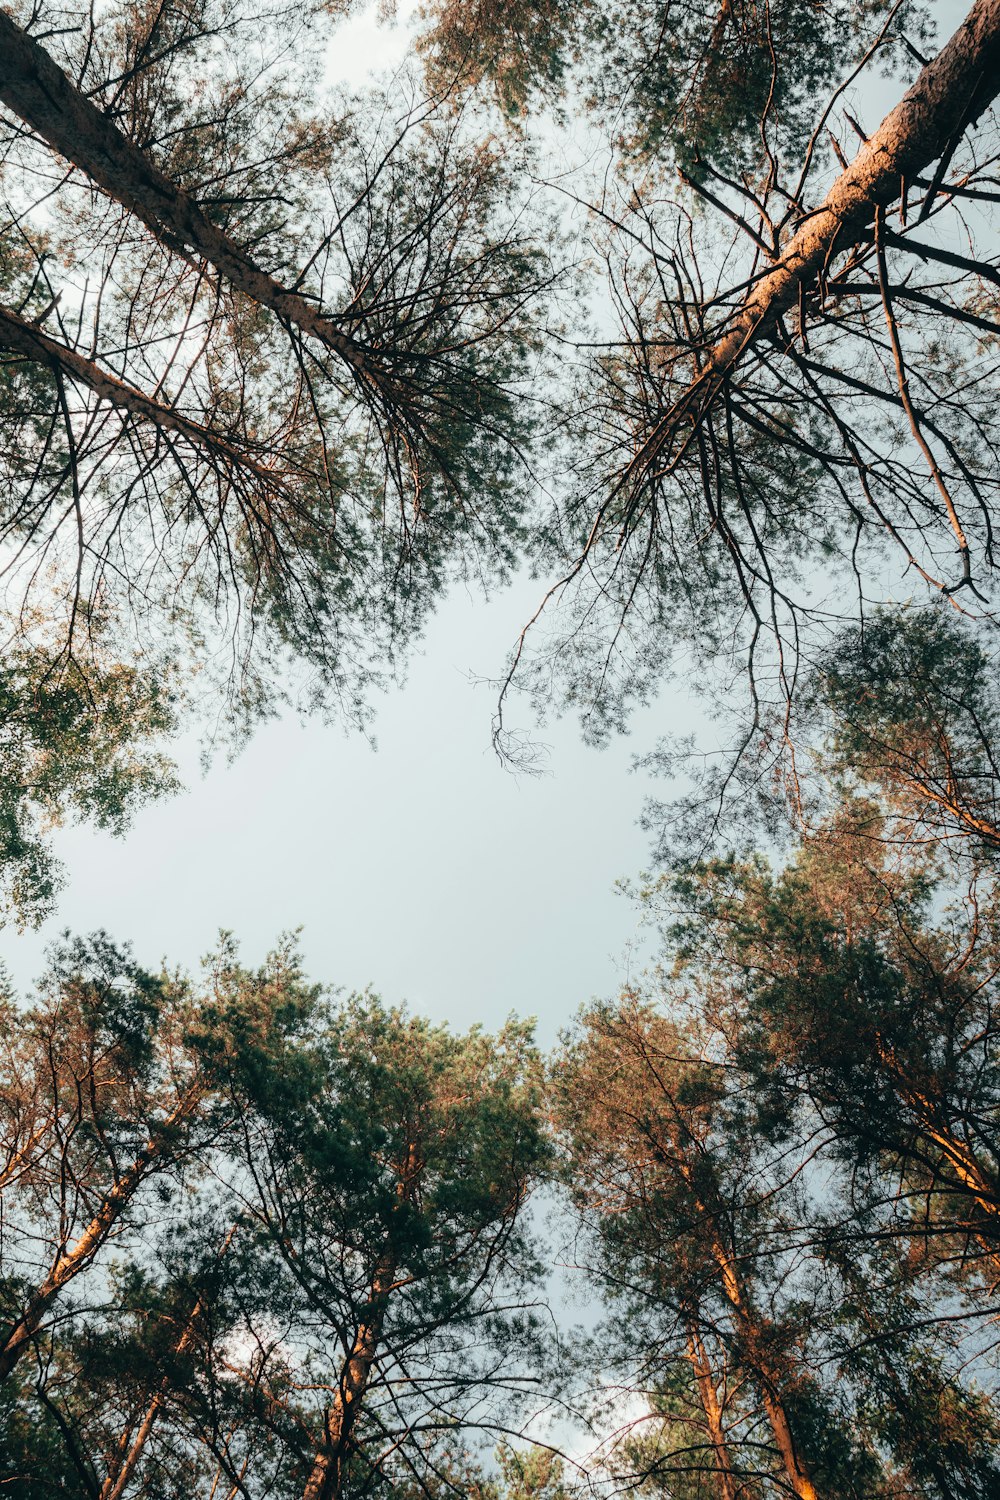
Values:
[(915, 134), (71, 1262), (713, 1413), (74, 1259), (769, 1377), (40, 93), (121, 1469), (976, 1180), (25, 338), (326, 1479)]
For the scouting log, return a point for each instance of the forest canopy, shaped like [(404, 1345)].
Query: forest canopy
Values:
[(691, 311)]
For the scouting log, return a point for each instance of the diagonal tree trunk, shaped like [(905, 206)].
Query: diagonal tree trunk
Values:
[(931, 1120), (25, 338), (133, 1441), (70, 1262), (963, 77), (41, 94), (771, 1379)]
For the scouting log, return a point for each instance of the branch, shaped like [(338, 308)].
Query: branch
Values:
[(29, 340)]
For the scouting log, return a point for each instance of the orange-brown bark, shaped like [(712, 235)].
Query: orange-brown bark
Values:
[(328, 1473), (71, 1261), (770, 1378), (326, 1479), (41, 94), (713, 1414), (911, 137), (133, 1441), (976, 1179)]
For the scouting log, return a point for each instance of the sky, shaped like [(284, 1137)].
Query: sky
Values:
[(422, 867)]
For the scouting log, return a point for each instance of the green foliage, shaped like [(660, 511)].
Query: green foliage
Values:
[(34, 1460), (225, 1205), (906, 707), (78, 739), (683, 82), (318, 501), (533, 1473), (520, 49), (908, 1390)]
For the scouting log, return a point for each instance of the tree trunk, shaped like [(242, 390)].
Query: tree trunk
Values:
[(915, 134), (25, 338), (977, 1181), (713, 1414), (326, 1479), (40, 93), (770, 1378), (120, 1472), (74, 1260)]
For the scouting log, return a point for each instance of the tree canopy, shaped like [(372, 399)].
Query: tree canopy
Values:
[(691, 309)]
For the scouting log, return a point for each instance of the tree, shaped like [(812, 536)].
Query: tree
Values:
[(891, 737), (941, 1430), (263, 361), (678, 1207), (382, 1177), (797, 373), (678, 79), (312, 1279), (905, 710), (101, 1100), (79, 738), (782, 1143), (852, 998)]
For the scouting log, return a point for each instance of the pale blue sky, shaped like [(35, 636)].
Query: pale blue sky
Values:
[(422, 867)]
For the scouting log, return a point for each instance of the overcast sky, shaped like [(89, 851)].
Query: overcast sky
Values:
[(422, 867)]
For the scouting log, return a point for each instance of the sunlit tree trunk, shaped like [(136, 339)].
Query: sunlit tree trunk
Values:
[(770, 1377), (949, 93), (72, 1261), (712, 1408), (326, 1480), (975, 1179)]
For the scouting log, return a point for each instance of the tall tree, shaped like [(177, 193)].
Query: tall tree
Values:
[(312, 1277), (855, 998), (383, 1175), (798, 369), (102, 1098), (265, 352), (680, 1207)]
